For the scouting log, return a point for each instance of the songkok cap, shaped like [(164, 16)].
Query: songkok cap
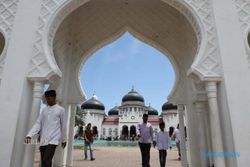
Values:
[(50, 93)]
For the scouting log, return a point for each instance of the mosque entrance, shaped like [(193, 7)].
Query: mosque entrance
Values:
[(170, 27), (132, 132), (125, 132)]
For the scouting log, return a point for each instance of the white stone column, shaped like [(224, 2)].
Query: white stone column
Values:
[(200, 110), (216, 137), (59, 159), (29, 151), (181, 109), (208, 136), (70, 134)]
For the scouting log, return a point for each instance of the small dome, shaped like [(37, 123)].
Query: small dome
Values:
[(132, 96), (169, 106), (93, 103), (113, 111), (152, 111)]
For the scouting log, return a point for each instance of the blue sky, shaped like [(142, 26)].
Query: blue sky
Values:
[(111, 71)]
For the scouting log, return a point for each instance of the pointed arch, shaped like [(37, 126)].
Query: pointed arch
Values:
[(114, 37)]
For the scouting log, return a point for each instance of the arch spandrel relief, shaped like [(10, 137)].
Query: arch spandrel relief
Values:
[(243, 8), (43, 63), (7, 15), (206, 63), (51, 11)]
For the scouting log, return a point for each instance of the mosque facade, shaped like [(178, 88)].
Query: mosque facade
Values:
[(120, 122)]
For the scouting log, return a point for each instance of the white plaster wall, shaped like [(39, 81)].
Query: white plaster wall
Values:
[(15, 91), (236, 76)]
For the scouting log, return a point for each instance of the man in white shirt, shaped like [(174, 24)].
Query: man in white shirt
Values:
[(177, 137), (162, 142), (145, 134), (51, 124)]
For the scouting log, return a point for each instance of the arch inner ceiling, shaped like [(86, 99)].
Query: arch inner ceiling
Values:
[(98, 22)]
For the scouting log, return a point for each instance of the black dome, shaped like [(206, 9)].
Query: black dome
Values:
[(132, 96), (113, 111), (93, 103), (152, 111), (168, 106)]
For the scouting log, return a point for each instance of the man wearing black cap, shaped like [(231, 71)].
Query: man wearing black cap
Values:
[(51, 124), (145, 134)]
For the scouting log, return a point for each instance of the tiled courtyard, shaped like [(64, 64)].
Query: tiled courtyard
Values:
[(119, 157)]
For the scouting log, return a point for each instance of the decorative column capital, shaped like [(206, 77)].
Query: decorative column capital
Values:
[(211, 88), (38, 89), (180, 107), (200, 106)]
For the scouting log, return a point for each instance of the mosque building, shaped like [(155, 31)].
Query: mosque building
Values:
[(120, 122)]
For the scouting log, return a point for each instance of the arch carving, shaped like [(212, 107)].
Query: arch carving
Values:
[(207, 64), (199, 13), (7, 15), (242, 7)]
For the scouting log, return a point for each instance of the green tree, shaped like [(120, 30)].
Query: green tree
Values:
[(79, 117)]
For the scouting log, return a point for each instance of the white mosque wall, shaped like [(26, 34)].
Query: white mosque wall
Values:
[(170, 118), (109, 131), (95, 117), (234, 90), (131, 113)]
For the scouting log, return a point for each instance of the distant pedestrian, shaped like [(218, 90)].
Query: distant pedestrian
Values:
[(88, 142), (162, 142), (145, 134), (170, 132), (177, 137)]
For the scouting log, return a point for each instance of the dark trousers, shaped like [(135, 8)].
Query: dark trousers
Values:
[(178, 145), (145, 153), (162, 157), (47, 153)]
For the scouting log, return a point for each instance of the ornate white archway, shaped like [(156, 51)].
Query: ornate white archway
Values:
[(204, 64), (66, 28), (198, 13)]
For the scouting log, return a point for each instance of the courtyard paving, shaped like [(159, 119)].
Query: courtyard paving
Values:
[(119, 157)]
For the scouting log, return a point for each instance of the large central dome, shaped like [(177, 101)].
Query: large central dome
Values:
[(93, 103), (132, 96)]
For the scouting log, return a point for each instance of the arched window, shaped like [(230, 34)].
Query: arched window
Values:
[(95, 131), (110, 132), (125, 131), (2, 43), (132, 131)]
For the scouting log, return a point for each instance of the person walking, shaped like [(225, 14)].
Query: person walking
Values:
[(162, 142), (145, 134), (88, 142), (177, 137), (51, 126)]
